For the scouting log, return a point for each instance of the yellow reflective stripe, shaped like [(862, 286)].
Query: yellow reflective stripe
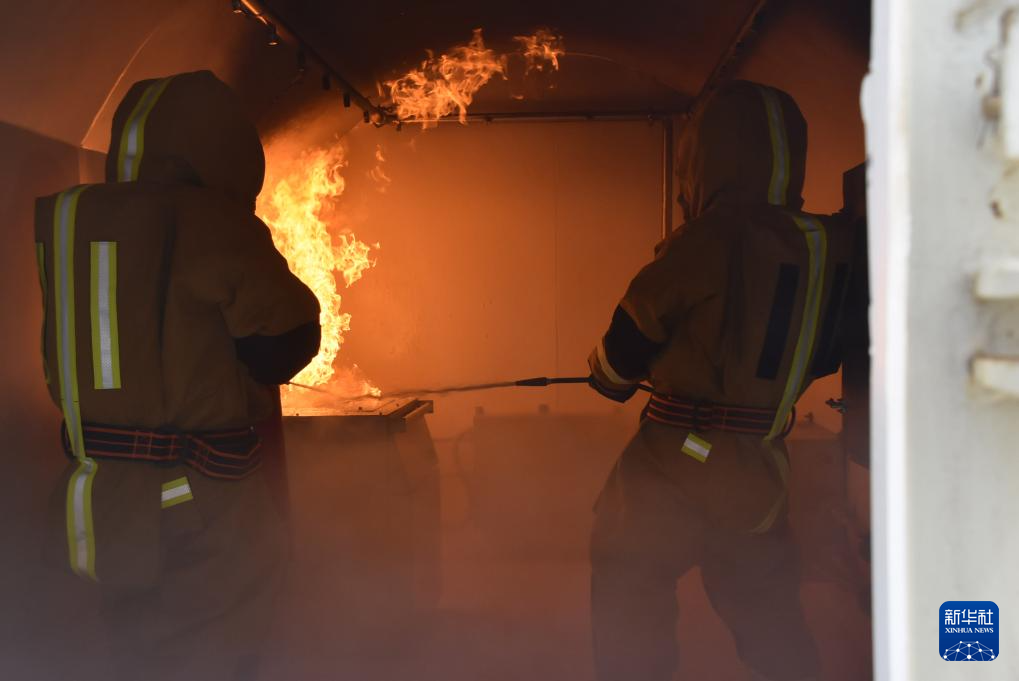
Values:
[(817, 248), (40, 256), (105, 337), (81, 542), (64, 217), (175, 492), (606, 367), (697, 448), (779, 185), (132, 138), (80, 534), (782, 464)]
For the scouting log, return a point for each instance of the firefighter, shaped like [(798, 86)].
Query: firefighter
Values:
[(170, 321), (736, 315)]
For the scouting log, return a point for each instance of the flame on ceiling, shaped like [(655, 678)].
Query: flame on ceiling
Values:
[(445, 84)]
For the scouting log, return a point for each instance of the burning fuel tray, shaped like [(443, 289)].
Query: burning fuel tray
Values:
[(392, 412)]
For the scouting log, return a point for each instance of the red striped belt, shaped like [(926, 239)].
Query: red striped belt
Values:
[(704, 416), (227, 454)]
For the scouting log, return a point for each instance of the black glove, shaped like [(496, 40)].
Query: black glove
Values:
[(274, 360), (614, 393)]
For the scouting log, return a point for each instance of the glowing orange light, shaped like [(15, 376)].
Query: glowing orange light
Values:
[(541, 50), (292, 206), (378, 173), (445, 84)]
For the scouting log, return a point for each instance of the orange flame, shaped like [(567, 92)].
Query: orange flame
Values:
[(378, 173), (293, 208), (541, 50), (446, 83)]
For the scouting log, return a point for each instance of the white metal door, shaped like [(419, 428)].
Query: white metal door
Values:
[(942, 115)]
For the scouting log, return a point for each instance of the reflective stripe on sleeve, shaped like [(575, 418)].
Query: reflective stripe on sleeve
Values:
[(779, 185), (105, 337), (176, 492), (132, 138), (608, 370), (40, 256), (817, 248)]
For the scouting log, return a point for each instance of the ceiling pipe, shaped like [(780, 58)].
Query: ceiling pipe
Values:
[(714, 80), (728, 58), (549, 117), (278, 29), (668, 171)]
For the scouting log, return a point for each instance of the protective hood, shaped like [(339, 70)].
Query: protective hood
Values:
[(747, 145), (188, 128)]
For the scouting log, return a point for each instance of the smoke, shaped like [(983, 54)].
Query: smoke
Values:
[(453, 561)]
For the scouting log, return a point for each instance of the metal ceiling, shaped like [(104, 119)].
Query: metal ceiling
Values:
[(67, 64), (640, 56)]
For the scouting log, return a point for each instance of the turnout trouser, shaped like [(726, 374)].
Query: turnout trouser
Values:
[(651, 528), (188, 577)]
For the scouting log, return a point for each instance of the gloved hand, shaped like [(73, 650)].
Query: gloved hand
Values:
[(274, 360), (605, 386)]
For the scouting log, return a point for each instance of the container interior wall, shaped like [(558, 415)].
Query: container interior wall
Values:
[(505, 248)]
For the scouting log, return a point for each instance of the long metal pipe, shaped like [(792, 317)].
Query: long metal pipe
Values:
[(727, 58), (668, 165), (537, 382), (273, 22), (264, 14), (549, 117), (711, 83)]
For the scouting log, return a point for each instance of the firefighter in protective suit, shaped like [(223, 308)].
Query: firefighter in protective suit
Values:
[(170, 318), (730, 323)]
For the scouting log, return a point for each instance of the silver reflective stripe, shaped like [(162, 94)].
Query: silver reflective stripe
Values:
[(103, 310), (696, 447), (175, 492), (606, 366), (171, 494), (779, 148), (812, 308), (817, 248), (134, 126), (80, 535), (83, 547), (65, 295), (782, 465)]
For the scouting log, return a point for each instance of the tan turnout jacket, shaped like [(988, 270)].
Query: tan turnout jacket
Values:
[(150, 277), (741, 305), (150, 281)]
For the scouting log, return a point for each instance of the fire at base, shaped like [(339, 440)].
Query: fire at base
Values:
[(293, 207)]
